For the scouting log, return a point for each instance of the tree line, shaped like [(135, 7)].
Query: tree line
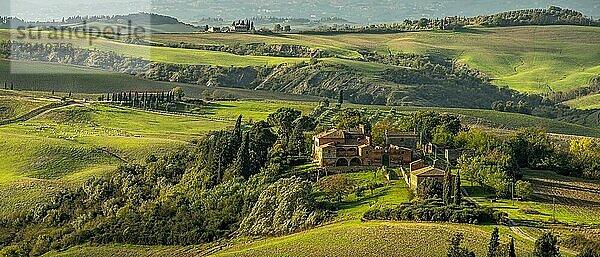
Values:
[(551, 16), (258, 49)]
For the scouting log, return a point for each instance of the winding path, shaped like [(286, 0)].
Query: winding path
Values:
[(35, 112)]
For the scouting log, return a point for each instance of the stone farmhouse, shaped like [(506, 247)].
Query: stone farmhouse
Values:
[(419, 172), (337, 148)]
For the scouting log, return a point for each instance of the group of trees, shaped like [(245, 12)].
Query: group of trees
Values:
[(545, 246), (260, 49), (278, 28), (435, 210), (510, 106), (494, 162), (227, 181), (562, 96), (144, 99), (551, 16)]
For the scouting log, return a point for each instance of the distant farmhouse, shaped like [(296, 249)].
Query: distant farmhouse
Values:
[(236, 26), (338, 148), (241, 26)]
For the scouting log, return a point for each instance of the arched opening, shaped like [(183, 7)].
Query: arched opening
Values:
[(355, 162), (341, 162)]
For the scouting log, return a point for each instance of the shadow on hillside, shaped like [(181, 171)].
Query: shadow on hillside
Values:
[(362, 201), (564, 200), (211, 109), (474, 31), (567, 187)]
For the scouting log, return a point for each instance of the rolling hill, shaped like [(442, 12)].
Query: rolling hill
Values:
[(529, 59)]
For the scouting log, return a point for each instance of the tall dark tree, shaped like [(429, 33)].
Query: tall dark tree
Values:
[(283, 119), (237, 131), (297, 143), (242, 166), (455, 250), (545, 246), (447, 191), (341, 97), (494, 244), (457, 192), (261, 140), (511, 248)]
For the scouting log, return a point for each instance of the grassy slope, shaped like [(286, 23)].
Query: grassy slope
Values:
[(528, 59), (159, 54), (48, 77), (586, 102), (14, 107), (87, 83), (350, 238), (68, 145)]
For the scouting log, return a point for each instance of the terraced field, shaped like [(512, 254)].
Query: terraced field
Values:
[(571, 201)]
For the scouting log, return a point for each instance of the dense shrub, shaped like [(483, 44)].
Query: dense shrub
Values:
[(435, 211), (284, 207)]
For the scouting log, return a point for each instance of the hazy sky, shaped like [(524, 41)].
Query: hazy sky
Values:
[(363, 11)]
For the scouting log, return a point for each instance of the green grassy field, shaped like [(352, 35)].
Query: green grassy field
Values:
[(350, 238), (586, 102), (15, 106), (528, 59)]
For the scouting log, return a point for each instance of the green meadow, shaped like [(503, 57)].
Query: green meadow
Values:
[(532, 59), (586, 102), (349, 238)]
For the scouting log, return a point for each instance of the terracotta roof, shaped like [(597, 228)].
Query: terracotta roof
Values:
[(332, 133), (429, 171)]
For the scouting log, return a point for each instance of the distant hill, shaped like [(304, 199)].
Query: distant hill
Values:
[(360, 11), (149, 21)]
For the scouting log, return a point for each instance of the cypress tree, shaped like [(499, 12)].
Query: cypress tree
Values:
[(457, 193), (243, 157), (545, 246), (341, 97), (494, 243), (238, 129), (511, 248), (447, 190)]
